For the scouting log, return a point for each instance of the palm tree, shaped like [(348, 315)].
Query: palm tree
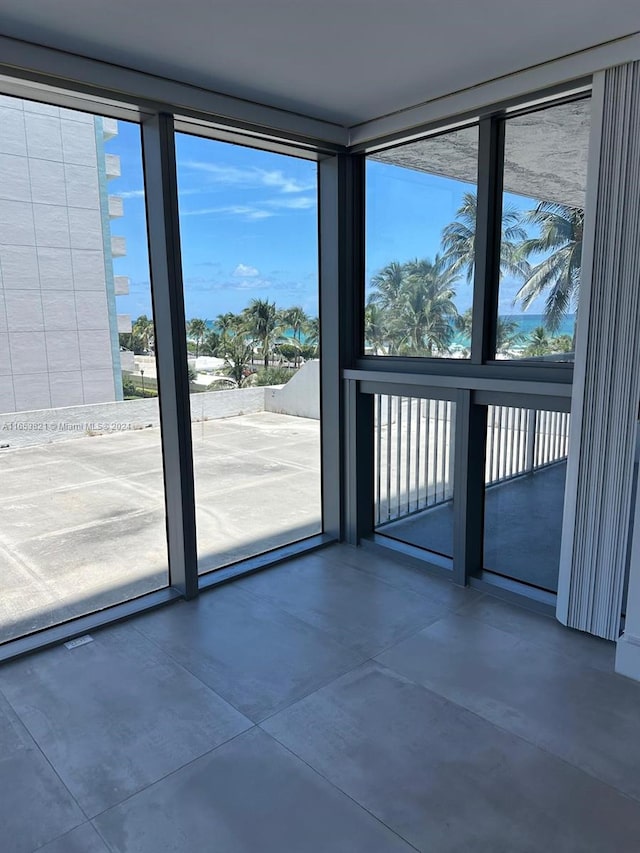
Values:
[(427, 316), (387, 285), (237, 353), (143, 330), (459, 240), (210, 343), (196, 330), (464, 325), (561, 230), (228, 323), (312, 333), (375, 329), (539, 342), (296, 319), (508, 335), (262, 322)]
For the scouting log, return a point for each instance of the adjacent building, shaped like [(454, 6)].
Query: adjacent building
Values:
[(58, 320)]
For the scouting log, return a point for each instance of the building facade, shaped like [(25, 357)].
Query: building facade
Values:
[(58, 321)]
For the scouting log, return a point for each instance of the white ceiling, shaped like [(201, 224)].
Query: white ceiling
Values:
[(345, 61)]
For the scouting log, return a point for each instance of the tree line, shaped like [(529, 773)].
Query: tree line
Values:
[(260, 331), (411, 309)]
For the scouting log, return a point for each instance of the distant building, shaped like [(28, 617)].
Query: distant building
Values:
[(58, 321)]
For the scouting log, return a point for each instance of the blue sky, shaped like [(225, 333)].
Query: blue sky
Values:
[(248, 223), (405, 214), (248, 226)]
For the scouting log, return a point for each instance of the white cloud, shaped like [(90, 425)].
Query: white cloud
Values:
[(252, 177), (286, 185), (301, 202), (132, 194), (244, 211), (245, 271)]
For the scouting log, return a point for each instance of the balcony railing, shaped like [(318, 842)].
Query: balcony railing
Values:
[(414, 450)]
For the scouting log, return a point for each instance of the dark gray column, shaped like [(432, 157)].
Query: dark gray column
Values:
[(171, 349), (341, 202)]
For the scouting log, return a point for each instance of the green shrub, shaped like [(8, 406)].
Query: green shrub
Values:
[(273, 376)]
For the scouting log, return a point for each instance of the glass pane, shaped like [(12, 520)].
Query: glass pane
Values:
[(420, 242), (414, 459), (248, 225), (525, 471), (545, 176), (82, 503)]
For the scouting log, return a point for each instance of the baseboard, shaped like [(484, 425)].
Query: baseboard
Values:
[(628, 656)]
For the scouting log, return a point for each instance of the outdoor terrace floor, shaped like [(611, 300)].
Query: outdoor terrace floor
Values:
[(83, 519), (342, 701), (523, 527)]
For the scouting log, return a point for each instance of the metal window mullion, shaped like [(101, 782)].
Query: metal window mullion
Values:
[(443, 432), (487, 240), (347, 511), (427, 454), (398, 455), (378, 429), (469, 487), (161, 195), (408, 451), (418, 448)]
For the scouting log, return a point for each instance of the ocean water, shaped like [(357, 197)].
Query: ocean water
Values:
[(528, 322)]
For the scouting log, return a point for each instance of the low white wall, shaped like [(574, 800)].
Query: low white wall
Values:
[(300, 396), (209, 405), (21, 429)]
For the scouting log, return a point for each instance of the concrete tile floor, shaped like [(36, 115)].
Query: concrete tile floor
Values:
[(344, 701)]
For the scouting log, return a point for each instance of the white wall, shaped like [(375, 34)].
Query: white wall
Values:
[(300, 396)]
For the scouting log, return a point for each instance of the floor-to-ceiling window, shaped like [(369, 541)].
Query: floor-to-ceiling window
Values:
[(248, 227), (82, 502)]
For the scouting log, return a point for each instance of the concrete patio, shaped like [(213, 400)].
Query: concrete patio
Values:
[(84, 519), (343, 701)]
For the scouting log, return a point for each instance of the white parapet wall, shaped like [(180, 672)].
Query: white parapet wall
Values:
[(300, 396), (22, 429)]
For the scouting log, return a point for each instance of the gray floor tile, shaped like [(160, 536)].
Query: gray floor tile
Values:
[(34, 804), (249, 795), (587, 717), (249, 651), (116, 714), (405, 574), (545, 630), (84, 839), (447, 780), (358, 610)]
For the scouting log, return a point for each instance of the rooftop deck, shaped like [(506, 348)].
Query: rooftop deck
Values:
[(84, 519)]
